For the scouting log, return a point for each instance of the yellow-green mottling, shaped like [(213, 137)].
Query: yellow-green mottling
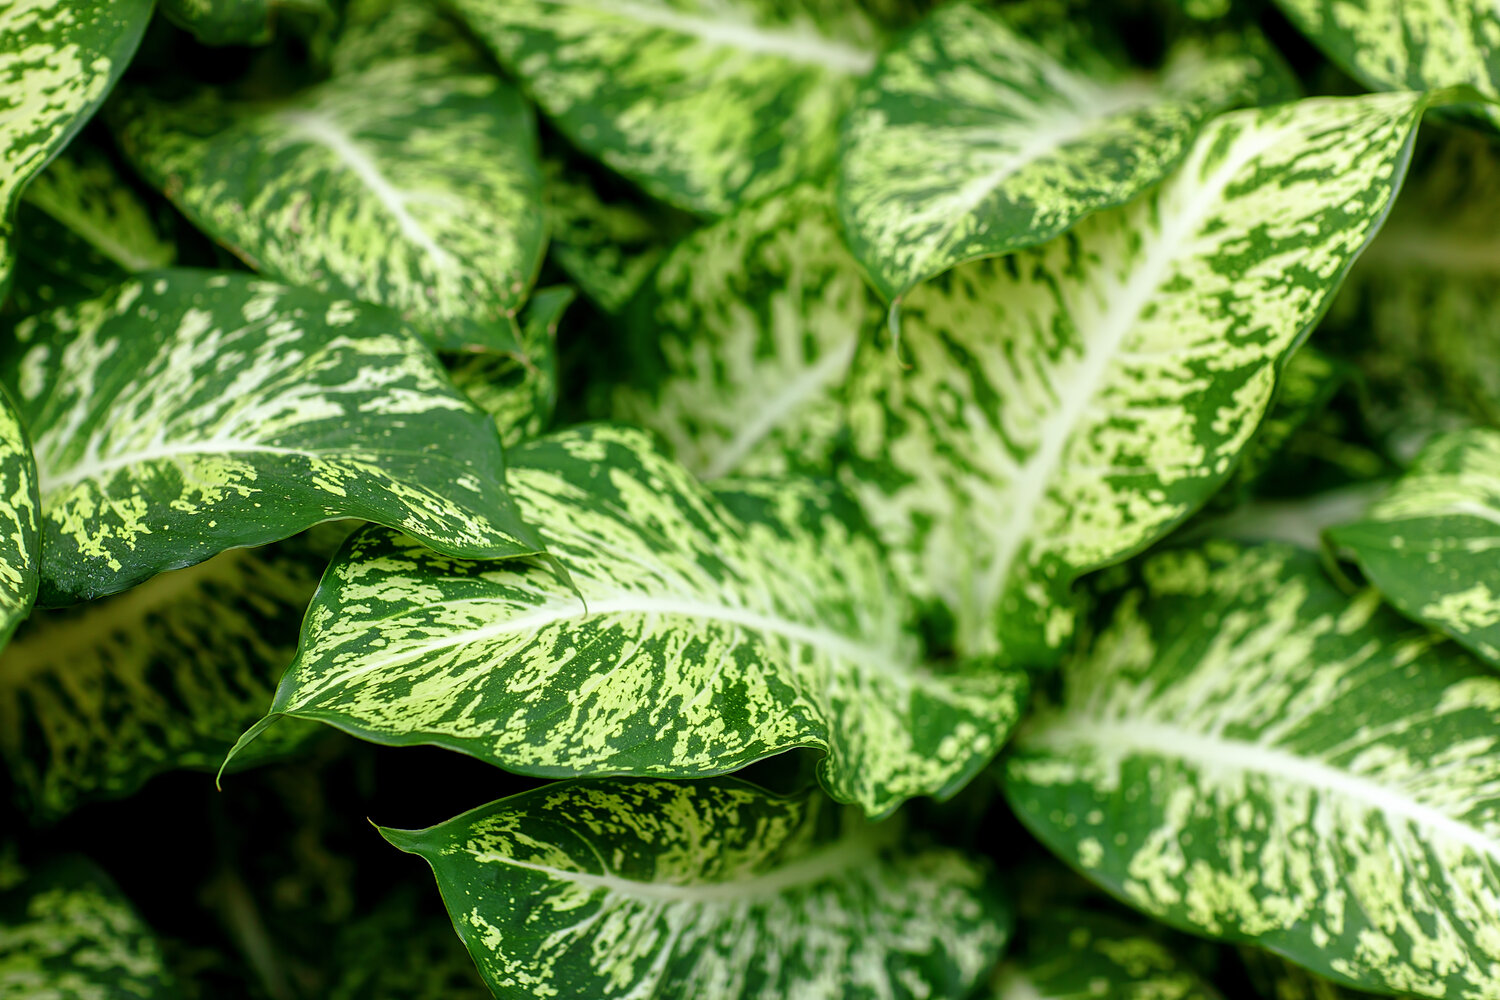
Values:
[(66, 933), (519, 388), (59, 60), (222, 22), (187, 412), (971, 141), (1409, 44), (1429, 544), (20, 558), (1053, 411), (704, 103), (412, 182), (743, 337), (687, 890), (714, 630), (1245, 752)]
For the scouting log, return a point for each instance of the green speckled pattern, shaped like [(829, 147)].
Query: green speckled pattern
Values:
[(710, 889), (1053, 411), (187, 412), (1246, 753), (718, 630), (20, 556)]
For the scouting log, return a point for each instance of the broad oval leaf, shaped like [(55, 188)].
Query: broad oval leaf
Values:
[(742, 335), (1245, 753), (59, 60), (414, 184), (20, 537), (718, 630), (1053, 411), (707, 889), (222, 22), (188, 412), (1429, 544), (66, 933), (703, 103), (969, 140)]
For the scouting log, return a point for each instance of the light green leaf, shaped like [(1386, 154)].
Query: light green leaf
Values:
[(1245, 753), (222, 22), (97, 699), (719, 629), (743, 335), (20, 558), (1056, 410), (1075, 954), (1409, 44), (59, 60), (188, 412), (707, 889), (413, 184), (971, 141), (83, 191), (705, 104), (1429, 544), (66, 933)]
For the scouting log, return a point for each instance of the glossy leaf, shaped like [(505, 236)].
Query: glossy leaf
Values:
[(705, 104), (970, 141), (20, 558), (66, 933), (1244, 752), (750, 326), (1429, 543), (222, 22), (59, 60), (188, 412), (1053, 411), (707, 889), (413, 183), (718, 630)]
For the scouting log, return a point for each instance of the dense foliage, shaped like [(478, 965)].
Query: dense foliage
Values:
[(761, 498)]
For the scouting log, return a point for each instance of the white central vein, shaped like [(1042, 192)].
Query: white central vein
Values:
[(795, 44), (95, 467), (1210, 755), (319, 128)]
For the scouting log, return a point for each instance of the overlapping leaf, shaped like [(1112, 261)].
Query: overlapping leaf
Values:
[(188, 412), (66, 933), (59, 60), (743, 334), (707, 889), (20, 558), (412, 182), (519, 390), (718, 630), (1278, 979), (1058, 409), (1246, 753), (704, 103), (970, 140), (1429, 544), (83, 191)]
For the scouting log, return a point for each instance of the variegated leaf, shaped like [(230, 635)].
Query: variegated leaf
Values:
[(1076, 954), (715, 888), (59, 60), (743, 334), (1429, 544), (971, 141), (188, 412), (705, 104), (715, 630), (96, 699), (413, 183), (66, 933), (1246, 753), (83, 191), (20, 557), (519, 390), (222, 22), (1277, 979), (1055, 410), (1409, 44)]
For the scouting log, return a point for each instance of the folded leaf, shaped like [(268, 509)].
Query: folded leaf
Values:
[(703, 103), (707, 889), (1245, 753), (188, 412), (1053, 411), (222, 22), (60, 59), (66, 933), (718, 630), (20, 559), (742, 336), (519, 390), (1429, 544), (971, 141), (413, 183)]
